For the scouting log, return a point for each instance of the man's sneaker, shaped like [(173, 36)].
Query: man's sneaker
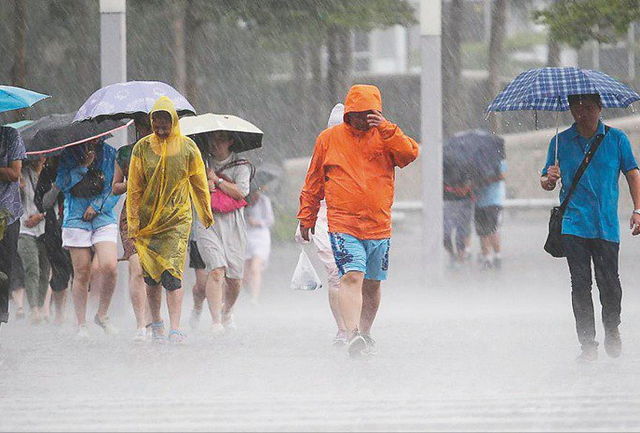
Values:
[(83, 333), (141, 335), (357, 345), (194, 320), (20, 314), (217, 329), (497, 262), (177, 337), (340, 340), (228, 322), (106, 325), (589, 353), (613, 342), (157, 332), (371, 346)]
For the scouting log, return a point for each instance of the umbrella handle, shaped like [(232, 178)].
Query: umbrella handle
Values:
[(557, 126)]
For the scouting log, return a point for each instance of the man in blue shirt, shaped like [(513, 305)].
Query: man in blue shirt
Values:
[(591, 230), (490, 200), (12, 152)]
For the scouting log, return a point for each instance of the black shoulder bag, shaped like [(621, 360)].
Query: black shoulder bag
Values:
[(553, 245)]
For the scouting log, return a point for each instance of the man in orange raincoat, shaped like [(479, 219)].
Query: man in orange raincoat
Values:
[(353, 169)]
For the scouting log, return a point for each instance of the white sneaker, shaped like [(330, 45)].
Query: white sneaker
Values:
[(83, 333), (141, 335), (228, 322), (217, 329), (106, 325)]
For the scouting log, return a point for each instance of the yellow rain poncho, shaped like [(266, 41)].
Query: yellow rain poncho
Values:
[(165, 178)]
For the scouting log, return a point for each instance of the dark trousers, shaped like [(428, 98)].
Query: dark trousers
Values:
[(580, 253), (8, 249)]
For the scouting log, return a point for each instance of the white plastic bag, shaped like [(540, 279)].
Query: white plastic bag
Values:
[(305, 276)]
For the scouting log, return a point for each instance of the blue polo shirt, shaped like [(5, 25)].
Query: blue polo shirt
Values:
[(593, 209)]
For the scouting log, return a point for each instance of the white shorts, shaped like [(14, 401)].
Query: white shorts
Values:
[(80, 238)]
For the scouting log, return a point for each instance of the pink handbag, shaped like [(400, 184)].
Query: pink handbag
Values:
[(222, 203)]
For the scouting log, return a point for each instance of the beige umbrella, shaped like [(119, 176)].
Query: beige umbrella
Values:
[(247, 135)]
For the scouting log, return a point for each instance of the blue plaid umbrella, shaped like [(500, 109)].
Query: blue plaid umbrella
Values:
[(547, 89)]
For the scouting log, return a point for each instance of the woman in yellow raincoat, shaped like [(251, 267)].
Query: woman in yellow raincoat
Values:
[(166, 175)]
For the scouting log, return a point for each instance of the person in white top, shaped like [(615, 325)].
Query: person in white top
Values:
[(323, 245), (31, 247), (260, 218)]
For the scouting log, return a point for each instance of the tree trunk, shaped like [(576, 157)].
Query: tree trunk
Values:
[(345, 64), (301, 88), (333, 65), (452, 68), (553, 47), (19, 72), (193, 27), (496, 50), (179, 54), (317, 102)]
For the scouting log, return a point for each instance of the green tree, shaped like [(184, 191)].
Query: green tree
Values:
[(580, 21)]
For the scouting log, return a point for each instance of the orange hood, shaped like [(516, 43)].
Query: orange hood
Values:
[(363, 97)]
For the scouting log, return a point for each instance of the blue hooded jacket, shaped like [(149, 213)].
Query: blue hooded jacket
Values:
[(70, 172)]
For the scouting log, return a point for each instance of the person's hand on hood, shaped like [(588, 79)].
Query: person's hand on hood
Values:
[(375, 119)]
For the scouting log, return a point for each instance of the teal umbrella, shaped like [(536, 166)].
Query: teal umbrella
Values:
[(20, 124), (15, 98)]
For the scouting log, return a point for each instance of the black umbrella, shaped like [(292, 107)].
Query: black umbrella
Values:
[(473, 155), (51, 134)]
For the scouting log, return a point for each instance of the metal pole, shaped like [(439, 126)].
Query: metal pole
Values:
[(113, 41), (431, 137), (113, 50)]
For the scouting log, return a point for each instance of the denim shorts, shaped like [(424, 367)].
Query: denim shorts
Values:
[(370, 257)]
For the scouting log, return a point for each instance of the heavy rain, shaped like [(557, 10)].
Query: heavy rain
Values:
[(319, 215)]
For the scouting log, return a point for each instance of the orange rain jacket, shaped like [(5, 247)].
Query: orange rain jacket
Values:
[(354, 172)]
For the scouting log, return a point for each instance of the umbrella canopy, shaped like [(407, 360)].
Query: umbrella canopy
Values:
[(19, 124), (547, 89), (247, 135), (473, 155), (126, 100), (266, 174), (15, 98), (51, 134)]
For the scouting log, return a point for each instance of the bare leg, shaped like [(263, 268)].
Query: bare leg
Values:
[(496, 242), (214, 294), (59, 303), (200, 289), (231, 295), (334, 303), (81, 260), (154, 296), (107, 253), (351, 299), (46, 308), (485, 243), (254, 268), (137, 291), (174, 304), (17, 296), (370, 304), (94, 282)]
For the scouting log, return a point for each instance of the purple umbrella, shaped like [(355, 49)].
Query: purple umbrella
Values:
[(126, 100)]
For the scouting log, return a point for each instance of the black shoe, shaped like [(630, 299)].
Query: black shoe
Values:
[(356, 345), (589, 353), (612, 342)]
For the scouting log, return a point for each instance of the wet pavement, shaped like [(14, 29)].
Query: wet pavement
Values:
[(483, 350)]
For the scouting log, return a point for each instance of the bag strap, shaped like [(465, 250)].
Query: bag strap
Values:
[(583, 167), (238, 162)]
